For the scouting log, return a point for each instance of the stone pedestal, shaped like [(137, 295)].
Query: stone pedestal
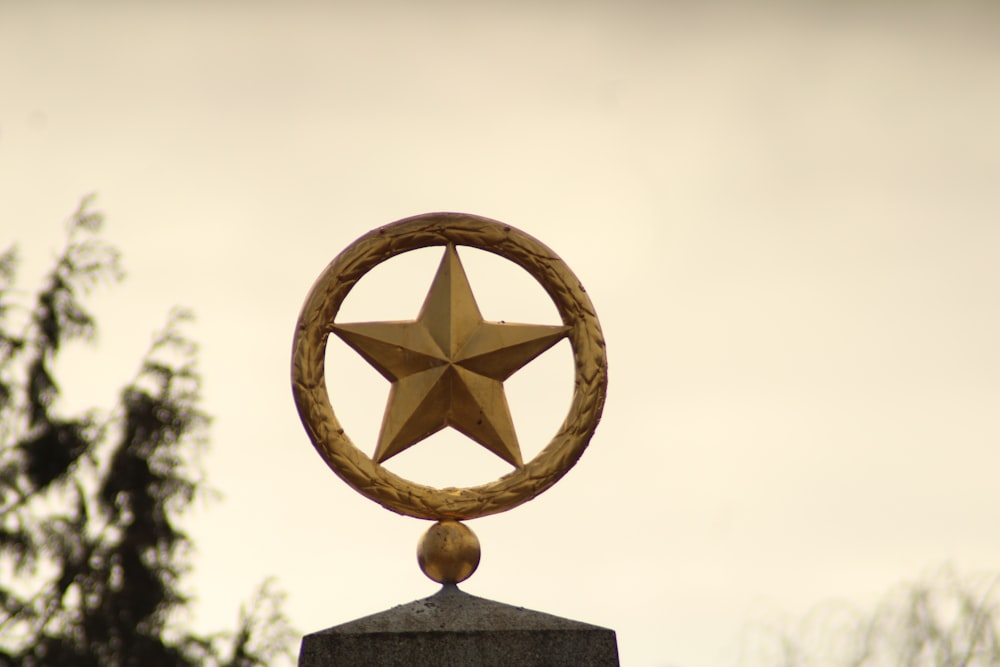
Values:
[(454, 629)]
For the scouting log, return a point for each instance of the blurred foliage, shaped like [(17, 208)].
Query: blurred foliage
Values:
[(91, 556), (942, 620)]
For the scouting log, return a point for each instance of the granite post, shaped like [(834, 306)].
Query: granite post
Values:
[(455, 629)]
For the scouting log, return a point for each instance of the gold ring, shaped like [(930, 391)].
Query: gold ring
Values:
[(372, 479)]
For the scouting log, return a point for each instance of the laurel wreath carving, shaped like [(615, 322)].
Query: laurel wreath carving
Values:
[(372, 479)]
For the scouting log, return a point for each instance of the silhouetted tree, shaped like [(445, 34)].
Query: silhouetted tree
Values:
[(91, 556), (942, 621)]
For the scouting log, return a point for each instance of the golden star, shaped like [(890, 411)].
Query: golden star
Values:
[(447, 367)]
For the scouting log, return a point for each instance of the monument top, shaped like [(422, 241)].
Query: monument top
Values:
[(447, 368)]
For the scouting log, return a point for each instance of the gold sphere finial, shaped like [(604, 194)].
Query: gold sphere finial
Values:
[(448, 552)]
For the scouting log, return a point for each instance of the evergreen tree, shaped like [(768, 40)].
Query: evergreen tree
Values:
[(91, 556)]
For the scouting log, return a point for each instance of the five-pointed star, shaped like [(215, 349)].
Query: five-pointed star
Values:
[(447, 367)]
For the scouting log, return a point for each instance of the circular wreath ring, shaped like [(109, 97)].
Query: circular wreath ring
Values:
[(372, 479)]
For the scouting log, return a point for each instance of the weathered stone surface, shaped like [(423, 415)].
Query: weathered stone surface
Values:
[(454, 629)]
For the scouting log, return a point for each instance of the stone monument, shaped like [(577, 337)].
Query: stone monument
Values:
[(447, 368)]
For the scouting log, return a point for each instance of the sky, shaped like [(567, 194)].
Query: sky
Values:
[(787, 216)]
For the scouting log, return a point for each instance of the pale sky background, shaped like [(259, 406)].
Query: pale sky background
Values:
[(787, 217)]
